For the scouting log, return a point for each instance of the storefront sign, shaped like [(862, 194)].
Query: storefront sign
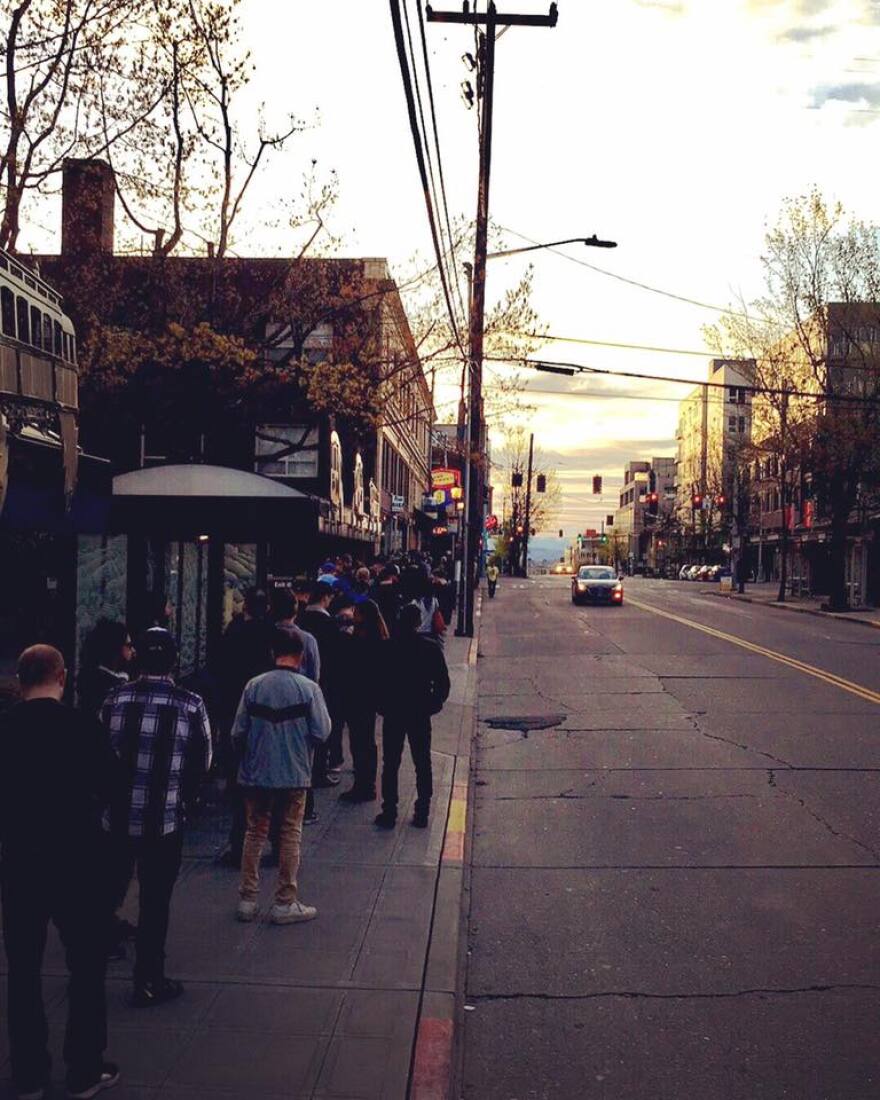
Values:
[(397, 504)]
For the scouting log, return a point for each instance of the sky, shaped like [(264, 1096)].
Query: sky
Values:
[(675, 127)]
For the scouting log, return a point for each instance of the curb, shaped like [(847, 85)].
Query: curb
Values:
[(437, 1038), (843, 617)]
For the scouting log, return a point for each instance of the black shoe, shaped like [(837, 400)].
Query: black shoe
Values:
[(355, 795), (230, 859), (420, 819), (385, 820), (311, 818), (327, 780), (106, 1078), (147, 994)]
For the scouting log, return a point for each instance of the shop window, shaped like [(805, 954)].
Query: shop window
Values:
[(7, 310), (286, 450)]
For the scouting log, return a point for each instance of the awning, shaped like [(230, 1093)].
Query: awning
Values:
[(187, 500)]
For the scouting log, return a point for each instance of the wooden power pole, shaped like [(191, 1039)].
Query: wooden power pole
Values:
[(490, 20)]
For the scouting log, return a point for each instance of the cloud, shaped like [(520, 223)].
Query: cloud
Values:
[(855, 92), (670, 7), (805, 34)]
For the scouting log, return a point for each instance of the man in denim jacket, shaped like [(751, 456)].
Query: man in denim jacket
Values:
[(281, 718)]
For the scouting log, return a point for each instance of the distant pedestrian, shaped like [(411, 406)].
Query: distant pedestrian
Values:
[(492, 574), (161, 734), (285, 609), (107, 657), (57, 777), (281, 719), (386, 594), (413, 685), (364, 661), (245, 652), (318, 621)]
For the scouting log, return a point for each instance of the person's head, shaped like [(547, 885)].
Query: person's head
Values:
[(284, 605), (368, 621), (345, 563), (409, 620), (108, 644), (287, 649), (41, 673), (343, 612), (302, 591), (328, 569), (157, 652), (362, 576), (160, 610), (321, 595), (256, 604)]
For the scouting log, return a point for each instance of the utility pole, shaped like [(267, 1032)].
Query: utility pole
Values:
[(491, 20), (525, 558)]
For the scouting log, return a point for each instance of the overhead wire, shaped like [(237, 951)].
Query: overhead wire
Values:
[(558, 366), (439, 160), (634, 282), (400, 46)]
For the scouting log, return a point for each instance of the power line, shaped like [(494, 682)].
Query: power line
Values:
[(420, 160), (634, 282), (423, 136), (436, 132), (557, 366)]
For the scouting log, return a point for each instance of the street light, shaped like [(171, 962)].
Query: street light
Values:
[(590, 242)]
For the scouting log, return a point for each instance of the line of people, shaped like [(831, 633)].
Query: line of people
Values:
[(119, 777)]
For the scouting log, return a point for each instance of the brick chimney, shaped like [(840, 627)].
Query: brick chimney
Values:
[(88, 198)]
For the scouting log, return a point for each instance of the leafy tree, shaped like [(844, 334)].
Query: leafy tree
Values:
[(814, 343)]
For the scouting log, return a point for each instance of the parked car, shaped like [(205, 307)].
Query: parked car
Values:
[(596, 584), (684, 572)]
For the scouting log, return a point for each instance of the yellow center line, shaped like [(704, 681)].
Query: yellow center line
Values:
[(810, 670)]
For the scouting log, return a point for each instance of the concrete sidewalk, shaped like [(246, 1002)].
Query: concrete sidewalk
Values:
[(806, 605), (329, 1009)]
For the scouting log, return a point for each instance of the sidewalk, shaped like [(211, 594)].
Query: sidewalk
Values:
[(807, 605), (328, 1009)]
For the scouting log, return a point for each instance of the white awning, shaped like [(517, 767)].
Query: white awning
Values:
[(200, 481)]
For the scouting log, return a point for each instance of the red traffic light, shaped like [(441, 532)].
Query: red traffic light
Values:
[(697, 500), (720, 500)]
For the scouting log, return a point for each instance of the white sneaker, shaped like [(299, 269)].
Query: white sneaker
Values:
[(293, 913), (246, 911)]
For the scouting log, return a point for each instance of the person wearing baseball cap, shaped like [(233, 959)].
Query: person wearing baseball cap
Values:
[(161, 734)]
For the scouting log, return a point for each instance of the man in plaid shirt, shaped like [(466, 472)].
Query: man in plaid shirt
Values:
[(162, 736)]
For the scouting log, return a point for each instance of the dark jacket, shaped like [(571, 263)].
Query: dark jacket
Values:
[(363, 658), (93, 685), (245, 652), (58, 776), (324, 630), (388, 599), (413, 680)]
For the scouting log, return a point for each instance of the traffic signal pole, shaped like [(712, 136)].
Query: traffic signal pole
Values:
[(526, 532), (491, 20)]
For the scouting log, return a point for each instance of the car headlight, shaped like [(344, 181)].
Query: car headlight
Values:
[(582, 586)]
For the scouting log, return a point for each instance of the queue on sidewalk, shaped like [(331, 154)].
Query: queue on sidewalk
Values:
[(91, 795)]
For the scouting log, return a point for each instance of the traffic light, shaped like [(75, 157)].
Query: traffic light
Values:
[(652, 503), (533, 532), (516, 479), (542, 483), (603, 538), (561, 534), (519, 528), (721, 500), (597, 486), (696, 502)]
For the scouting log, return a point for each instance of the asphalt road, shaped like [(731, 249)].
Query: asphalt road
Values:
[(675, 888)]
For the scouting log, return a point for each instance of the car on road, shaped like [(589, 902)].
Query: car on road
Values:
[(684, 572), (561, 568), (596, 584)]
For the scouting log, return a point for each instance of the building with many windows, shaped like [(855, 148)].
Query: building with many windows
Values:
[(267, 413)]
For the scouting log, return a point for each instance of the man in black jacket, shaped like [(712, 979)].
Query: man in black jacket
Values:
[(57, 777), (413, 685), (317, 621)]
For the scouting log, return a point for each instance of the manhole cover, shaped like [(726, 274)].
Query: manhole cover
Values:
[(525, 722)]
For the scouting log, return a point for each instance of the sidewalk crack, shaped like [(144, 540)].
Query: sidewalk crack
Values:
[(630, 994)]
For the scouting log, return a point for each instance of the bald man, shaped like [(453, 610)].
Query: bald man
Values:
[(57, 777)]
